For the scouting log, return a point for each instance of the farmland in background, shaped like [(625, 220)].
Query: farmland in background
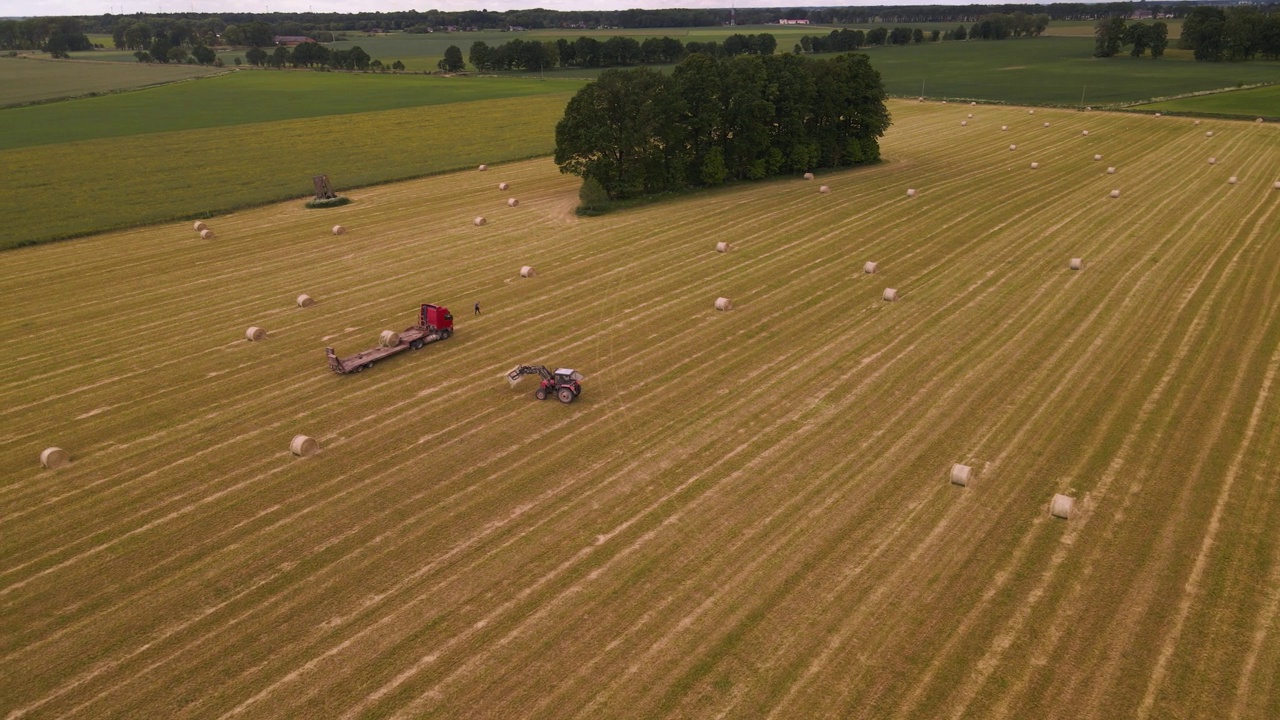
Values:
[(745, 514), (27, 80), (1263, 101), (78, 187)]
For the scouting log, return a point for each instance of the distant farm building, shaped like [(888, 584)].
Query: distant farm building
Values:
[(291, 40)]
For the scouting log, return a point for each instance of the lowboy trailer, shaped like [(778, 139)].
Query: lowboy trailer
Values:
[(435, 322)]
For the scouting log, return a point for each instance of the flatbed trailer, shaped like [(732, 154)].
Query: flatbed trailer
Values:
[(435, 322)]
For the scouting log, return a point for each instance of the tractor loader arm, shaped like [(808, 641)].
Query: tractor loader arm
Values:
[(520, 371)]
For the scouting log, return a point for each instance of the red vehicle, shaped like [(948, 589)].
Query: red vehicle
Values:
[(565, 383), (435, 322)]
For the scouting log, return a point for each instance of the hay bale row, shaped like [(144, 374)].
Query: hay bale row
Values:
[(1061, 506), (961, 475), (254, 334), (389, 338), (1077, 264), (870, 268), (54, 458), (724, 304), (527, 271), (304, 445), (890, 295), (305, 300)]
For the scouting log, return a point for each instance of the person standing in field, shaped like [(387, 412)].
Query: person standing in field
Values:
[(477, 312)]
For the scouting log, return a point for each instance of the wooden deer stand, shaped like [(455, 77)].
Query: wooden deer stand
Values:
[(323, 189)]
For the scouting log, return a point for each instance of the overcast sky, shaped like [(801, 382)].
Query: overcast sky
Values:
[(23, 8)]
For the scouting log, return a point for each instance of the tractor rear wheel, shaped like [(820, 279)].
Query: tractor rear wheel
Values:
[(540, 394), (566, 395)]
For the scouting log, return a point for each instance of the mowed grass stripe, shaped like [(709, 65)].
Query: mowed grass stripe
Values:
[(802, 290)]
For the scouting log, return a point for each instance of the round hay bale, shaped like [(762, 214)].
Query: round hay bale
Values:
[(303, 445), (479, 221), (1197, 122), (1258, 120), (527, 271), (1035, 166), (824, 189), (1077, 263), (1004, 127), (1061, 506), (199, 225), (1013, 147), (1276, 185), (964, 123), (724, 304), (970, 116), (911, 192), (961, 474), (723, 247), (512, 202), (869, 268), (503, 186), (254, 334), (944, 102), (920, 99), (1233, 180), (1115, 193), (973, 104), (1157, 114), (1046, 124), (1111, 171), (808, 176), (890, 295), (338, 229), (1208, 133), (389, 338), (206, 234), (1031, 112), (54, 457), (1084, 132), (305, 301), (483, 168), (1213, 161), (1097, 157)]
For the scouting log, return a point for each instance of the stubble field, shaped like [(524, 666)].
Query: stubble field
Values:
[(746, 514)]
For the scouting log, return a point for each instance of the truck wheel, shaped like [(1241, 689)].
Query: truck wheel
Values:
[(417, 345), (540, 394), (566, 395), (368, 366)]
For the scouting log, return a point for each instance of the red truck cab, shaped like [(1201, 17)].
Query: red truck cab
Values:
[(437, 317)]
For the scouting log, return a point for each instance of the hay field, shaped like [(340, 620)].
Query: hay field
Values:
[(746, 514)]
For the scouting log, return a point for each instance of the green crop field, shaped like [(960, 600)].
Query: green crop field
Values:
[(27, 80), (1263, 101), (254, 96), (74, 188), (746, 514)]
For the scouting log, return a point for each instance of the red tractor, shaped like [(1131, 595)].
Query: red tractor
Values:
[(564, 383)]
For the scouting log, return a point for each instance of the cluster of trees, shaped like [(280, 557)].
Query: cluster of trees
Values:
[(56, 36), (1113, 34), (636, 132), (315, 55), (1233, 34), (996, 26), (617, 51)]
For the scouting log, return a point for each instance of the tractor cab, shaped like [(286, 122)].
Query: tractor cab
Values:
[(567, 376)]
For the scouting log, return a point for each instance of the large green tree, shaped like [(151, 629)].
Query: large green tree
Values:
[(1202, 32), (452, 61)]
